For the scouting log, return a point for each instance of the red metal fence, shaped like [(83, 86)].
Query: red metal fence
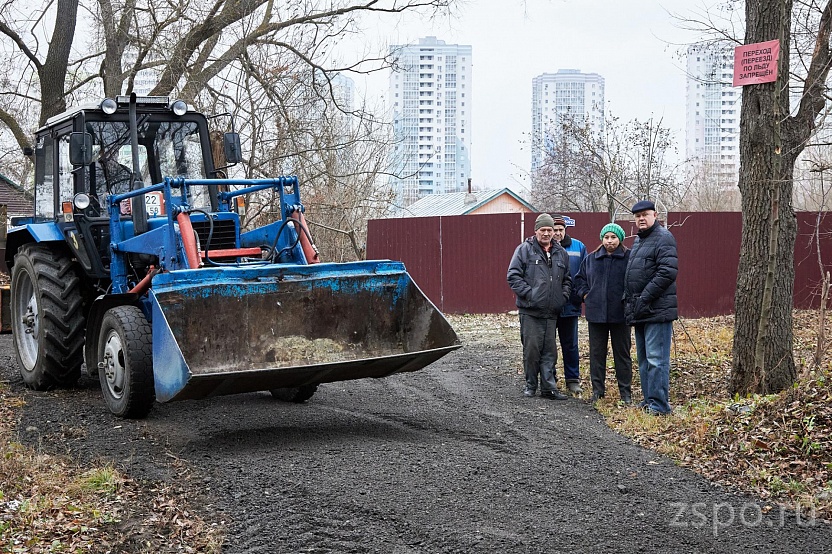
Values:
[(460, 262)]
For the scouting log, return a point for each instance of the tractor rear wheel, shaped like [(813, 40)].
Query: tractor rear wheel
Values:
[(298, 395), (125, 362), (47, 313)]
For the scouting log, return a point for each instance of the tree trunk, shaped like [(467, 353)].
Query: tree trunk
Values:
[(115, 40), (52, 74), (762, 358)]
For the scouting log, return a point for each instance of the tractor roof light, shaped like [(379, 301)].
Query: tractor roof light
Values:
[(109, 106), (179, 107), (144, 100)]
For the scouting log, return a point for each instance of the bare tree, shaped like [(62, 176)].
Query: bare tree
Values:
[(653, 175), (770, 142), (813, 183), (772, 138), (188, 45), (589, 170), (705, 189), (339, 152), (271, 65), (821, 199), (568, 177)]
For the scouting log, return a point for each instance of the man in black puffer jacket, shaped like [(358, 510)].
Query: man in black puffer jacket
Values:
[(539, 276), (650, 304)]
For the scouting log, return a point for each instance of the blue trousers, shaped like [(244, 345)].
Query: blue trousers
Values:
[(537, 334), (653, 351), (568, 334)]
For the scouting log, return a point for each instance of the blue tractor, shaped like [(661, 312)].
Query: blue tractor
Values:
[(134, 269)]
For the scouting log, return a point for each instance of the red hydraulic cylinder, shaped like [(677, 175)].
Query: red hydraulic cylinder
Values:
[(308, 247)]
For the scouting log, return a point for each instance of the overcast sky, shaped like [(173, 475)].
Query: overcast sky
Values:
[(633, 44)]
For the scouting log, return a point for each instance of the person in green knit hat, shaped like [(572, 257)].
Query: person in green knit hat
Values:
[(600, 283)]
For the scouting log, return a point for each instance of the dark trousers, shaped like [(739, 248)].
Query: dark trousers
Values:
[(619, 335), (537, 334), (568, 335)]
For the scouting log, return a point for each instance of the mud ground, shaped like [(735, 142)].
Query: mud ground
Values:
[(448, 459)]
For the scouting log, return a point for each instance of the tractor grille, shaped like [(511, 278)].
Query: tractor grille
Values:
[(225, 234)]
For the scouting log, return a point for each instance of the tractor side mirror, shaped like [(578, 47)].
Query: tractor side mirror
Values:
[(80, 148), (232, 148)]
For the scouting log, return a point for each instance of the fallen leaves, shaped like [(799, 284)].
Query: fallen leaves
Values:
[(49, 503)]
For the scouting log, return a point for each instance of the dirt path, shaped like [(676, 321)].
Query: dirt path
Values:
[(449, 459)]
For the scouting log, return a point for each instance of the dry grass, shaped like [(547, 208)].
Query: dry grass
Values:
[(51, 504)]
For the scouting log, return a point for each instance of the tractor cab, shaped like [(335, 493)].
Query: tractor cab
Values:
[(86, 154)]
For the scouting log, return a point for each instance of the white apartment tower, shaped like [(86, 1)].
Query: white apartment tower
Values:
[(146, 79), (430, 96), (712, 134), (567, 93)]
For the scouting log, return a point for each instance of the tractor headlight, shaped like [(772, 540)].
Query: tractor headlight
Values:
[(81, 201), (109, 106), (179, 107)]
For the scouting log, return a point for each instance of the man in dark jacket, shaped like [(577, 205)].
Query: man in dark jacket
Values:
[(571, 311), (539, 276), (650, 304), (600, 283)]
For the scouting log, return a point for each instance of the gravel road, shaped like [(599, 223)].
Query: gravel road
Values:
[(448, 459)]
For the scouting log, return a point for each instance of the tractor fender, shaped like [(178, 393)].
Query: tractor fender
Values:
[(30, 232), (97, 310)]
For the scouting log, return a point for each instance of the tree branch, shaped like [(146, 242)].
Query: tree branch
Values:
[(19, 134)]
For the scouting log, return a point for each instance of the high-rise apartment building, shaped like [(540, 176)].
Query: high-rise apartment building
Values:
[(567, 93), (343, 90), (146, 79), (712, 134), (430, 96)]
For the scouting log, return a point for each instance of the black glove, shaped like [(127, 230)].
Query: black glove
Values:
[(640, 309)]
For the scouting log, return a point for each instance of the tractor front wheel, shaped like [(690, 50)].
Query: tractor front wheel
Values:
[(125, 362)]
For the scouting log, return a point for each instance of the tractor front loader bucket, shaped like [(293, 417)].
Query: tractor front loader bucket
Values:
[(220, 331)]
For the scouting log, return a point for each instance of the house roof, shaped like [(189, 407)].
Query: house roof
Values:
[(453, 203), (16, 200)]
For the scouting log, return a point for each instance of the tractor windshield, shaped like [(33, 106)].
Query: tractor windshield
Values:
[(166, 149)]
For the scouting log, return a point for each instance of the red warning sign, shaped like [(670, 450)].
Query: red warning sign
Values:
[(756, 63)]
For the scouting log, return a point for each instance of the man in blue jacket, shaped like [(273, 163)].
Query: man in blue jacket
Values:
[(539, 276), (650, 304), (571, 311)]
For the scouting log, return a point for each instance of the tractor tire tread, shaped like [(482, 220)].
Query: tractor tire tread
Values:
[(138, 335), (62, 318)]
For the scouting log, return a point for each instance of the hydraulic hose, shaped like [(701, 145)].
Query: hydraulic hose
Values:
[(188, 239)]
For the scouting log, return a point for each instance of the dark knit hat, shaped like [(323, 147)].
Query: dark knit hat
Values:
[(613, 228), (643, 205), (558, 220), (543, 220)]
